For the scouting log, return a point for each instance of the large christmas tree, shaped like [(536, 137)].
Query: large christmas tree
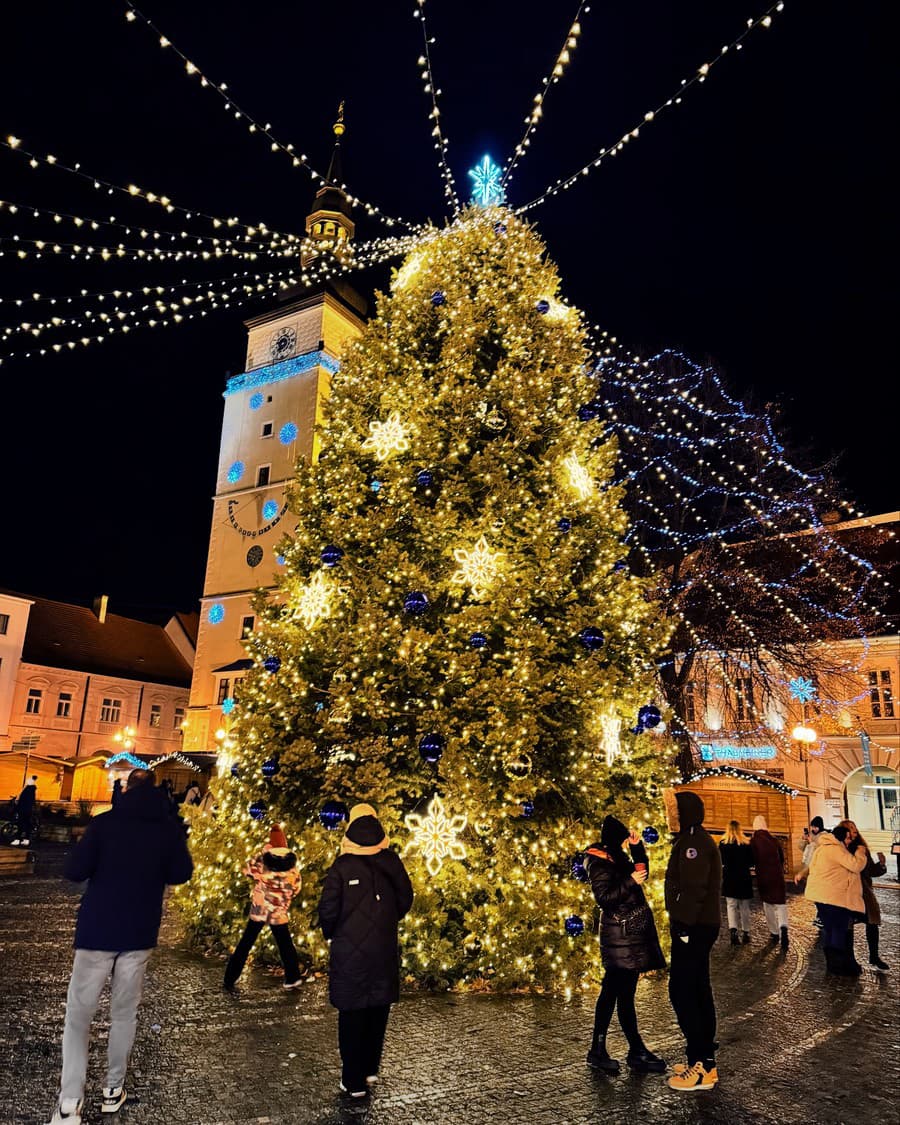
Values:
[(456, 638)]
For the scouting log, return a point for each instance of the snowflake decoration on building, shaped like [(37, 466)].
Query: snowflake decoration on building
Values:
[(610, 728), (488, 183), (477, 568), (579, 477), (435, 835), (314, 601), (387, 437), (802, 689)]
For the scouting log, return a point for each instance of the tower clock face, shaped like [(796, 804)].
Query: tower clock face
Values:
[(250, 528), (283, 343)]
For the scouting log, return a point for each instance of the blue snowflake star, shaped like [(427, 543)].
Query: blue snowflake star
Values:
[(488, 189), (802, 689)]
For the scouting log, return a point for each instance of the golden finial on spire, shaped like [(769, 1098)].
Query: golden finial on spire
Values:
[(339, 124)]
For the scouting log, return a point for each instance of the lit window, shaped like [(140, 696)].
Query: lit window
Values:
[(64, 705), (881, 696), (224, 685), (155, 715), (33, 703), (178, 721), (111, 711)]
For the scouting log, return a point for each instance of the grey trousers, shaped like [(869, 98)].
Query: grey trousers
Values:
[(90, 972), (738, 914), (776, 916)]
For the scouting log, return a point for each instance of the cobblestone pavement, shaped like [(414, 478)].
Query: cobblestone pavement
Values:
[(795, 1046)]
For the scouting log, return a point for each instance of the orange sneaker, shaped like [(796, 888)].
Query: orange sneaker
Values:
[(695, 1077)]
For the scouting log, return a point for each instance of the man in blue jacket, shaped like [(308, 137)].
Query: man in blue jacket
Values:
[(128, 856)]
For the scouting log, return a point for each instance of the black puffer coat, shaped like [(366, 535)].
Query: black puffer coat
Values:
[(628, 938), (737, 859), (363, 899)]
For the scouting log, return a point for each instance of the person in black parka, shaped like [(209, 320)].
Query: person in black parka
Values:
[(629, 944), (366, 893), (737, 880), (25, 812)]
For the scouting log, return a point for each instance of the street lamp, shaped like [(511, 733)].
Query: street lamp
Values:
[(126, 737)]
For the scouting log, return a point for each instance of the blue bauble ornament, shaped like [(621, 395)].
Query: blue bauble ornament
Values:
[(272, 664), (258, 810), (415, 603), (235, 770), (620, 565), (331, 555), (591, 638), (499, 228), (431, 747), (650, 835), (649, 716), (437, 298), (574, 926), (565, 525), (478, 640), (270, 767), (425, 479), (579, 871), (333, 813), (588, 412), (543, 306), (528, 808), (375, 486)]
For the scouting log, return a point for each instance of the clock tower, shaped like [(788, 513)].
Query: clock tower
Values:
[(271, 411)]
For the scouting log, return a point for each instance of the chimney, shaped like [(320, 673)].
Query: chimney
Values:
[(99, 607)]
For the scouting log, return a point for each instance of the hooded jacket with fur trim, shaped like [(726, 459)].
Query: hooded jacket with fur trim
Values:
[(694, 873)]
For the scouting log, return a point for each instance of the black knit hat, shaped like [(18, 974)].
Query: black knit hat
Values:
[(613, 833), (817, 822), (365, 831)]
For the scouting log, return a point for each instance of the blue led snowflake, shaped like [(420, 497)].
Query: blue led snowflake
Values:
[(287, 433), (256, 400), (270, 509), (802, 689), (488, 183), (227, 705), (236, 472), (216, 613), (280, 559)]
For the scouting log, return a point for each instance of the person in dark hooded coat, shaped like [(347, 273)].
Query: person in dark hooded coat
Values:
[(629, 944), (693, 887), (366, 893)]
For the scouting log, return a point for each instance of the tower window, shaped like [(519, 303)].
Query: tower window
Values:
[(4, 624), (268, 428), (262, 475), (247, 627)]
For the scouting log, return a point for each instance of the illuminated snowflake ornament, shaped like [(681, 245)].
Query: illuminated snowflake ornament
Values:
[(435, 835), (387, 437), (610, 729), (579, 477), (477, 568), (314, 601), (487, 189), (802, 689)]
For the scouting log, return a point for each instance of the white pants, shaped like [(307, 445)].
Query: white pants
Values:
[(89, 974), (738, 914), (776, 916)]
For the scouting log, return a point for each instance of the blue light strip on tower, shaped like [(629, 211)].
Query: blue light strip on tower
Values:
[(277, 372)]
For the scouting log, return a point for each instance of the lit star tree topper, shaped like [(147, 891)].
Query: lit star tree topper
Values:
[(487, 179), (477, 567), (434, 835)]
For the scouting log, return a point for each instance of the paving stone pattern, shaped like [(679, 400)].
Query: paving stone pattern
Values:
[(796, 1047)]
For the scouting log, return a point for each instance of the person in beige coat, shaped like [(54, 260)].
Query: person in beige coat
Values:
[(834, 885)]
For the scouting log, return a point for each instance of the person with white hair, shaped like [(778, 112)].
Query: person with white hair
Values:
[(768, 858)]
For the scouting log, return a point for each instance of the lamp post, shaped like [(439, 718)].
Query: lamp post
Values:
[(804, 736)]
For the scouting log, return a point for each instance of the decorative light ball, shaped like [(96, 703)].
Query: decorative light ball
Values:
[(592, 638), (272, 664), (620, 565), (482, 826), (528, 808), (288, 433), (331, 555), (332, 814), (270, 509), (588, 412), (431, 747), (543, 306), (215, 613), (649, 716), (438, 298), (415, 603), (478, 640), (650, 834), (236, 472), (495, 421), (375, 486), (579, 871), (499, 228), (228, 705), (280, 560), (256, 400), (565, 525), (425, 478), (258, 810), (270, 767), (574, 926), (518, 766), (235, 770)]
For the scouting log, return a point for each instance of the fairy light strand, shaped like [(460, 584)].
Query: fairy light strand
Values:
[(440, 141)]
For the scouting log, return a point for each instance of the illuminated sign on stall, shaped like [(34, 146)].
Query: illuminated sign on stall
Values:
[(715, 752)]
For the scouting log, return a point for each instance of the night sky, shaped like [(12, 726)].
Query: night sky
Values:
[(747, 227)]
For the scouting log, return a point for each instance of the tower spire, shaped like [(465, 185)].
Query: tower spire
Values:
[(329, 223)]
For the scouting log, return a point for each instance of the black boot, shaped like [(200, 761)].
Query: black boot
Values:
[(598, 1058), (746, 938), (784, 937), (644, 1061), (735, 940), (774, 939)]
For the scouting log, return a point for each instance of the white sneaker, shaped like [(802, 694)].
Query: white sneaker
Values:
[(371, 1079), (113, 1099), (14, 843), (67, 1112), (292, 985), (25, 843)]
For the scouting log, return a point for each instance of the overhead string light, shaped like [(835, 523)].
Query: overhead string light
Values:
[(698, 78), (39, 248), (537, 109), (14, 144), (297, 159), (440, 141)]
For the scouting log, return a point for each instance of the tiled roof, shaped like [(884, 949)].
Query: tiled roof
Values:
[(71, 636)]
